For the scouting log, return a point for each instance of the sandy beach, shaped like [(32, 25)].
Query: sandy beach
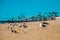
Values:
[(32, 32)]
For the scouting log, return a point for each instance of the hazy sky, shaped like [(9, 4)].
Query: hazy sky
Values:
[(10, 8)]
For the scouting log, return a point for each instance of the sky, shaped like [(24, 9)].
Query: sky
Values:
[(10, 8)]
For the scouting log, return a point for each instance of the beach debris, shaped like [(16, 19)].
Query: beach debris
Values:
[(11, 25), (14, 31), (43, 24), (22, 25)]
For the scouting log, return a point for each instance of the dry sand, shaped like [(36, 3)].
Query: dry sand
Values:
[(32, 32)]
